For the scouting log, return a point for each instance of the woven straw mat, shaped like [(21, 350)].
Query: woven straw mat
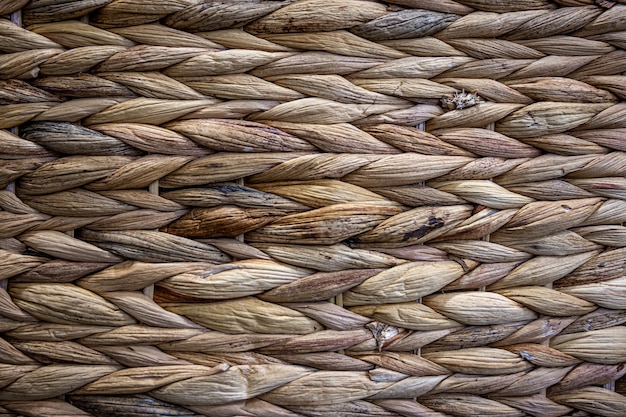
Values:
[(313, 208)]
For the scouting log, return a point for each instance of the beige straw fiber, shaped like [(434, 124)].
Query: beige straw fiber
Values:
[(308, 208)]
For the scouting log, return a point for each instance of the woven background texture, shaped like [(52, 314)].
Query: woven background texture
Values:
[(310, 208)]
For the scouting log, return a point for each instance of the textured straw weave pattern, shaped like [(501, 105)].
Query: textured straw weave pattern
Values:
[(313, 208)]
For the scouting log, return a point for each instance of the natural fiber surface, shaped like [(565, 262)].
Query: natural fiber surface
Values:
[(313, 208)]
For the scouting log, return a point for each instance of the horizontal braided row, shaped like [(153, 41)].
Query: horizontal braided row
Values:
[(578, 289), (386, 91), (297, 387), (379, 224), (369, 20)]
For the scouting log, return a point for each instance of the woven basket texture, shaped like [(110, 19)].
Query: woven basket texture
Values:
[(313, 208)]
